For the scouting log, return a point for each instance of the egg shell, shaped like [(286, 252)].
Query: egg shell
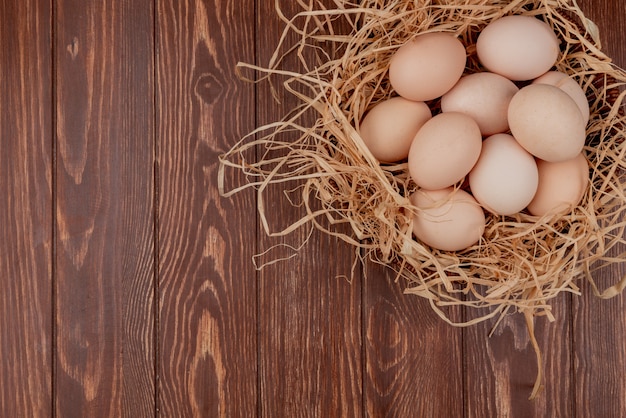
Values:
[(569, 86), (547, 123), (505, 178), (389, 127), (483, 96), (561, 186), (444, 150), (427, 66), (517, 47), (448, 219)]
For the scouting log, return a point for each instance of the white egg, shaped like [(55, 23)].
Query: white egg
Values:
[(505, 178)]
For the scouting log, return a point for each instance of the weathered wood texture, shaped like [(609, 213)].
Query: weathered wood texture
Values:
[(207, 306), (104, 208), (505, 366), (25, 209), (310, 340), (126, 282), (412, 356)]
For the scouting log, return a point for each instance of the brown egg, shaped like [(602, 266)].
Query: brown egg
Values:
[(389, 128), (444, 150), (483, 96), (449, 220), (569, 86), (547, 122), (561, 186), (427, 66), (518, 47)]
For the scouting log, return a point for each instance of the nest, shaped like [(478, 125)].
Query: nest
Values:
[(522, 262)]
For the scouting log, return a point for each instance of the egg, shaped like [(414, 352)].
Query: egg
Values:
[(561, 186), (389, 128), (444, 150), (505, 178), (448, 219), (569, 86), (483, 96), (518, 47), (547, 123), (427, 66)]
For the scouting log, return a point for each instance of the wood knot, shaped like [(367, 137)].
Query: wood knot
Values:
[(72, 48), (208, 88)]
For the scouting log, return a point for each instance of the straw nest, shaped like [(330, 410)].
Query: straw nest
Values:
[(522, 262)]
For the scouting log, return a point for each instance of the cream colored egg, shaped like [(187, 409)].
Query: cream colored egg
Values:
[(389, 128), (517, 47), (448, 219), (444, 150), (569, 86), (427, 66), (547, 122), (561, 186), (483, 96), (505, 178)]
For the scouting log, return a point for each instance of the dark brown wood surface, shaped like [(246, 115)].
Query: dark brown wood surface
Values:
[(126, 282), (207, 305), (104, 212), (26, 200), (310, 340)]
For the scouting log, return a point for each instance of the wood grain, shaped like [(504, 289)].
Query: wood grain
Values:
[(104, 208), (413, 358), (500, 371), (97, 320), (599, 326), (207, 306), (25, 209), (310, 318)]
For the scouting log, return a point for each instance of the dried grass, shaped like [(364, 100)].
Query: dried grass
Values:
[(522, 262)]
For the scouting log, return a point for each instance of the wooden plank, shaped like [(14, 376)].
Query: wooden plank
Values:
[(501, 370), (104, 211), (25, 209), (600, 354), (310, 319), (599, 326), (413, 358), (207, 305)]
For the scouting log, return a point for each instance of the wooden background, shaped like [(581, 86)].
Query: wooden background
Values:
[(126, 282)]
